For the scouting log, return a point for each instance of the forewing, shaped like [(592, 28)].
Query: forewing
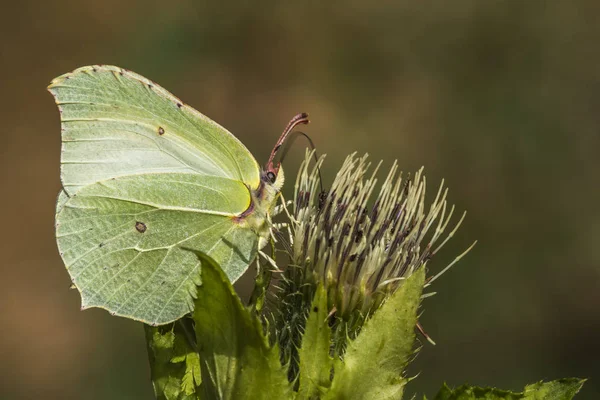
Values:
[(116, 122), (123, 240)]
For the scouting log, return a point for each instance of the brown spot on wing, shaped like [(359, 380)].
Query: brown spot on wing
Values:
[(140, 227), (161, 130)]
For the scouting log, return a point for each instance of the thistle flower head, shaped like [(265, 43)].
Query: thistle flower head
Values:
[(359, 241)]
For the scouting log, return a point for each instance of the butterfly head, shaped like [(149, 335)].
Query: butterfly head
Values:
[(273, 176), (273, 173)]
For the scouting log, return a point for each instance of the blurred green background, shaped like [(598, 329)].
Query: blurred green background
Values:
[(501, 98)]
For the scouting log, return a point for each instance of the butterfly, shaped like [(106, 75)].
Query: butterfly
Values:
[(145, 177)]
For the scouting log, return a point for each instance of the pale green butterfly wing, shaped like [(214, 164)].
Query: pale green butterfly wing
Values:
[(144, 176), (123, 240), (63, 197), (116, 122)]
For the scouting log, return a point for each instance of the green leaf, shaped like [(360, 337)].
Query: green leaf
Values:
[(374, 362), (166, 376), (562, 389), (192, 378), (185, 352), (236, 359), (467, 392), (315, 362)]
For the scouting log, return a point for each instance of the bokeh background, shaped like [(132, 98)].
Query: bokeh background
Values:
[(501, 98)]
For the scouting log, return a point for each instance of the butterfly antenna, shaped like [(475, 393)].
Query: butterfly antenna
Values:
[(298, 119), (312, 147)]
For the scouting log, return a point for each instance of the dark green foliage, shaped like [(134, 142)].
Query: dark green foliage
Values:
[(562, 389)]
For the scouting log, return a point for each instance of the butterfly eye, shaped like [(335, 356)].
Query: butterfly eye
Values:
[(271, 176)]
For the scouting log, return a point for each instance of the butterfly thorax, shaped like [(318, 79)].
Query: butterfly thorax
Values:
[(263, 199)]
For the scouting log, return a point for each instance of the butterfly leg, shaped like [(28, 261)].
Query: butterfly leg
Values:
[(269, 261), (283, 207)]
